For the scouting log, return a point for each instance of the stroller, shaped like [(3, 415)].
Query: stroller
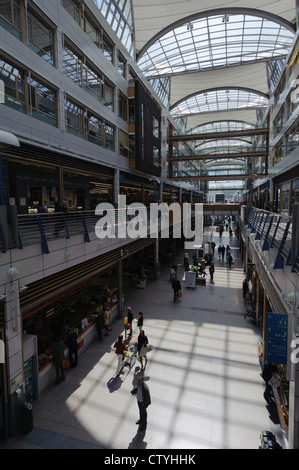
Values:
[(130, 356)]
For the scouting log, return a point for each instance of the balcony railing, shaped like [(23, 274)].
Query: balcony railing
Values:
[(275, 231), (45, 227)]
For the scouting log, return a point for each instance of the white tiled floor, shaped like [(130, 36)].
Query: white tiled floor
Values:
[(203, 375)]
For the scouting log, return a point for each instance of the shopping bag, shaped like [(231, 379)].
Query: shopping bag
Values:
[(67, 364), (180, 294)]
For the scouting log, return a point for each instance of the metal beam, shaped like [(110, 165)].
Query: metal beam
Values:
[(217, 177), (220, 135), (217, 156)]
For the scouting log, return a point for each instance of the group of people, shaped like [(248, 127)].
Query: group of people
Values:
[(59, 355), (101, 320), (221, 254), (141, 391), (121, 346)]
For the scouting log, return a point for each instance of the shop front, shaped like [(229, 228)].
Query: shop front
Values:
[(75, 308), (3, 379), (272, 346)]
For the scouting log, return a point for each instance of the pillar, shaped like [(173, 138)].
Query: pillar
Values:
[(115, 187), (120, 289)]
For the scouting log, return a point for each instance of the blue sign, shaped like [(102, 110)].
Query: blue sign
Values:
[(277, 338)]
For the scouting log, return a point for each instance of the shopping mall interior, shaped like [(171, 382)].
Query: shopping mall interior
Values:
[(109, 110)]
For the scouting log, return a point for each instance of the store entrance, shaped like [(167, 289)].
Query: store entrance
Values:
[(3, 388)]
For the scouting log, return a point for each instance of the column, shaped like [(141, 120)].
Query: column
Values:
[(116, 188), (120, 289), (257, 299)]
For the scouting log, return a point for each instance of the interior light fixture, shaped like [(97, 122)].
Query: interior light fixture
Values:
[(290, 298), (12, 272)]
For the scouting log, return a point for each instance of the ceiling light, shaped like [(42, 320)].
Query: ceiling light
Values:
[(12, 272), (290, 298)]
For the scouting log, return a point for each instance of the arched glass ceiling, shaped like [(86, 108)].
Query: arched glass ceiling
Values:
[(222, 126), (224, 143), (216, 40), (221, 99), (118, 14)]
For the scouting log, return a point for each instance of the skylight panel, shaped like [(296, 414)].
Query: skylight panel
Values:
[(212, 38)]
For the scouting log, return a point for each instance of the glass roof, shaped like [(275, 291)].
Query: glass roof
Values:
[(215, 41), (118, 13), (224, 143), (220, 100), (221, 126)]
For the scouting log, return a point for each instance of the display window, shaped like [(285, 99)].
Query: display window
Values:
[(76, 309)]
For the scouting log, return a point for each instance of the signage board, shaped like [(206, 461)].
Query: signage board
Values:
[(277, 338)]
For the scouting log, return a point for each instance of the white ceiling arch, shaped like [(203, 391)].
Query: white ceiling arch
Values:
[(151, 17), (215, 39), (219, 100)]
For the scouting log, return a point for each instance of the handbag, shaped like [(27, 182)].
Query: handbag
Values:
[(180, 294), (67, 364), (149, 347)]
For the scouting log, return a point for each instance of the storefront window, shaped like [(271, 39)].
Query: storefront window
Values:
[(285, 197), (75, 310), (296, 192)]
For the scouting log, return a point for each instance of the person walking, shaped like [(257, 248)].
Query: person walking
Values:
[(140, 321), (142, 393), (230, 260), (130, 320), (120, 348), (73, 347), (99, 321), (176, 286), (212, 270), (219, 251), (186, 259), (141, 348), (106, 315), (58, 354), (269, 370), (245, 288), (213, 244), (223, 251)]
